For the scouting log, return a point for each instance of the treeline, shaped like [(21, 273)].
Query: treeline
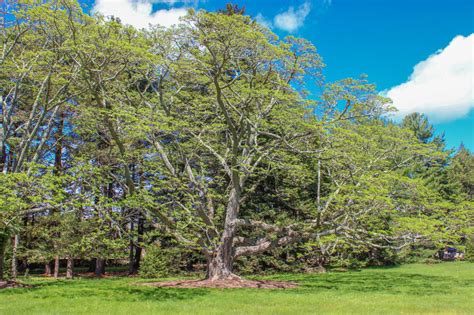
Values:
[(199, 145)]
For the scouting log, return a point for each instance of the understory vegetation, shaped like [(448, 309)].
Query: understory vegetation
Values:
[(199, 148)]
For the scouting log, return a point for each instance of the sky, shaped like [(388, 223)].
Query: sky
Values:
[(420, 53)]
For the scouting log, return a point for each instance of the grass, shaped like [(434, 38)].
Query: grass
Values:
[(446, 288)]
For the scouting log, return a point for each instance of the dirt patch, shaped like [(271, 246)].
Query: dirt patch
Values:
[(225, 284), (12, 284)]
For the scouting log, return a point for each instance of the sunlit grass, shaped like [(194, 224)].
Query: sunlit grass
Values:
[(446, 288)]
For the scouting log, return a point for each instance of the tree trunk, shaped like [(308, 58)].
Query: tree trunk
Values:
[(47, 269), (92, 264), (14, 271), (99, 267), (219, 266), (3, 246), (138, 248), (220, 262), (58, 166), (131, 261), (56, 266), (70, 268), (131, 250)]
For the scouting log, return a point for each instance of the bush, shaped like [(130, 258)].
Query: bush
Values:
[(469, 252), (160, 262)]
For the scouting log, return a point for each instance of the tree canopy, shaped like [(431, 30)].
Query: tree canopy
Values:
[(204, 136)]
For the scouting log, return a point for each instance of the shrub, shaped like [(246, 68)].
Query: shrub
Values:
[(469, 252), (160, 262)]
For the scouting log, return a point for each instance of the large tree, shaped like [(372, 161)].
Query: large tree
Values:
[(224, 113)]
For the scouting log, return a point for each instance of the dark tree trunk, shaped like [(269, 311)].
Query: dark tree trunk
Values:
[(3, 246), (58, 156), (138, 248), (92, 265), (70, 268), (3, 155), (99, 267), (56, 266), (47, 269), (131, 264), (131, 261)]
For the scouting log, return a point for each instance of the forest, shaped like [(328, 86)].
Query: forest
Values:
[(198, 148)]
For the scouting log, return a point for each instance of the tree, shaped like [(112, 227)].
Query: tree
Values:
[(231, 9), (205, 133), (231, 120), (420, 126), (35, 77), (461, 171)]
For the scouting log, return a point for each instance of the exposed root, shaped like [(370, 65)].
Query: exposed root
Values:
[(230, 277), (224, 284)]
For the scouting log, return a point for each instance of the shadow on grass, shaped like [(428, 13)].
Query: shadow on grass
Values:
[(371, 282), (106, 289)]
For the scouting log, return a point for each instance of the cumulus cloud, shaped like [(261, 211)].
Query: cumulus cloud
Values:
[(441, 86), (140, 14), (292, 19)]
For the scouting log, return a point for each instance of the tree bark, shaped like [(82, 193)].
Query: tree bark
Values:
[(99, 267), (47, 269), (70, 268), (220, 262), (3, 246), (58, 166), (138, 248), (131, 249), (56, 267), (14, 271), (219, 266)]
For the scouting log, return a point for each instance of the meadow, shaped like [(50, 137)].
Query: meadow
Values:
[(445, 288)]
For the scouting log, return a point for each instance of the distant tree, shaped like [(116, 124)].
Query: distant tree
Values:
[(420, 126), (232, 9), (461, 171)]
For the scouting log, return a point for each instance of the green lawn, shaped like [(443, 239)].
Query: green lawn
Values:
[(446, 288)]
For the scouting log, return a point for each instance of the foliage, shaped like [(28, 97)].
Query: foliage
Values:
[(203, 136), (160, 262)]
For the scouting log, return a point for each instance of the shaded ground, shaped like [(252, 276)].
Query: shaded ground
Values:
[(226, 284), (13, 284), (446, 288)]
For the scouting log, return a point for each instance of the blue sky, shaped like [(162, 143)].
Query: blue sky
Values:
[(384, 39)]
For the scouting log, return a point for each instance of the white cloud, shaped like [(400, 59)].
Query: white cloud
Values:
[(263, 21), (441, 86), (139, 13), (173, 2), (292, 19)]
